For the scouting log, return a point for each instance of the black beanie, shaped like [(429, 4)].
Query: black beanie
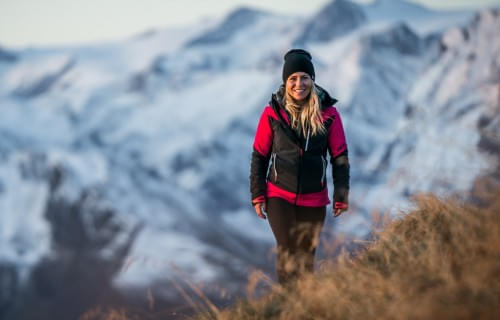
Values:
[(297, 60)]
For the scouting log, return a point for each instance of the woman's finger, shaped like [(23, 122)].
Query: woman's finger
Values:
[(258, 209), (337, 212)]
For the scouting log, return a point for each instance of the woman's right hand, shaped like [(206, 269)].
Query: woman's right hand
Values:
[(260, 208)]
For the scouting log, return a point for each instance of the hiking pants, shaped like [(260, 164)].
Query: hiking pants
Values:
[(297, 230)]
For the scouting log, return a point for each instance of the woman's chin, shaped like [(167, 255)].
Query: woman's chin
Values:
[(299, 98)]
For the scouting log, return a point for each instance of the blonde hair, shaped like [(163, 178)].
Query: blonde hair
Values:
[(308, 114)]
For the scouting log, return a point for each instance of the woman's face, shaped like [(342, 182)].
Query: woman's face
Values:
[(298, 85)]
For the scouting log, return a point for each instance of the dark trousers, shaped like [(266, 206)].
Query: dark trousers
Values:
[(297, 230)]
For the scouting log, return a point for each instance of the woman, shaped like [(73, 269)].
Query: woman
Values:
[(295, 131)]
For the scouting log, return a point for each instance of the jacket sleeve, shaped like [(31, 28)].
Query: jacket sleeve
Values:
[(260, 157), (337, 147)]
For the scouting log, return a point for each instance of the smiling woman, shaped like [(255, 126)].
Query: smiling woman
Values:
[(296, 130)]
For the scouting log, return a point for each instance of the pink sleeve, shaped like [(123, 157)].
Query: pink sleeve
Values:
[(336, 137), (264, 135)]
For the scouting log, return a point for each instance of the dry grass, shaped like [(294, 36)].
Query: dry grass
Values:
[(441, 261)]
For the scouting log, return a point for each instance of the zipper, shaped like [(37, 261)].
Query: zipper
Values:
[(298, 175), (274, 167), (301, 152), (323, 162), (307, 139)]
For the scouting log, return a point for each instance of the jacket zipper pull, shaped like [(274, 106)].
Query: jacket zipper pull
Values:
[(307, 140), (274, 165)]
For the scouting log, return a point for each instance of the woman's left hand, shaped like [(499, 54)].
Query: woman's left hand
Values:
[(339, 207)]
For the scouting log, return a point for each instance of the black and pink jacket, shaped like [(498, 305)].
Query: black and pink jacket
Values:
[(297, 171)]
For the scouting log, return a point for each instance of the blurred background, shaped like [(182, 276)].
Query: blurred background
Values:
[(126, 130)]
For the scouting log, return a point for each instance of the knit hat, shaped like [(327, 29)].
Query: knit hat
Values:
[(297, 60)]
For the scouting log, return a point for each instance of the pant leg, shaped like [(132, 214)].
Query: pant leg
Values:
[(309, 222), (281, 216)]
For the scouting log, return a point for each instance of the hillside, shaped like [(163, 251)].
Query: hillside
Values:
[(439, 261)]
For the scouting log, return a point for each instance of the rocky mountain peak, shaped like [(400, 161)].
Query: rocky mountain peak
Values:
[(337, 18)]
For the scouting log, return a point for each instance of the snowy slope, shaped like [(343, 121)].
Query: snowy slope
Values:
[(121, 130), (153, 134), (412, 119), (334, 20), (419, 18)]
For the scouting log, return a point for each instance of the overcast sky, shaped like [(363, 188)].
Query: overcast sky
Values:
[(51, 22)]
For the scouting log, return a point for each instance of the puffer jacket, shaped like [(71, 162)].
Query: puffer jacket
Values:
[(298, 165)]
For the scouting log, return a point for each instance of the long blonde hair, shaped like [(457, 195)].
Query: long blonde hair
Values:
[(308, 114)]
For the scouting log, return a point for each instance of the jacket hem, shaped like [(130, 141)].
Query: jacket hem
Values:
[(316, 199)]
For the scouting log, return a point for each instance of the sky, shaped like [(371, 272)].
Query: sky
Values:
[(25, 23)]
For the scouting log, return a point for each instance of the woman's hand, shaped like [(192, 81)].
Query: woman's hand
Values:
[(260, 208), (339, 207)]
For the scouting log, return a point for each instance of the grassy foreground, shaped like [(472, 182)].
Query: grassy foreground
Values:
[(441, 261)]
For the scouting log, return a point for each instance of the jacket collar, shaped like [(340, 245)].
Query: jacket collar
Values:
[(276, 103)]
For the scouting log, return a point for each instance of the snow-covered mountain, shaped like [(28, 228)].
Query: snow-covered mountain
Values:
[(335, 20), (133, 156)]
